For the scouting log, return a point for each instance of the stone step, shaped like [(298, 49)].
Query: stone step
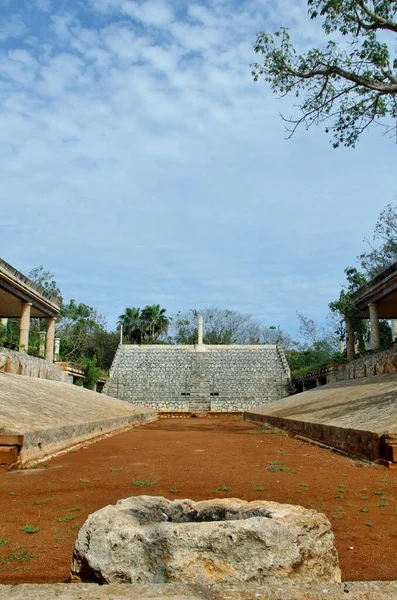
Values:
[(391, 447), (11, 439), (280, 590), (199, 407), (8, 455)]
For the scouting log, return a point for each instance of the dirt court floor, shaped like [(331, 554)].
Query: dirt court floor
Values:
[(42, 509)]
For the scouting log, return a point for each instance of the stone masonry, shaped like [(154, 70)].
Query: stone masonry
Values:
[(21, 363), (377, 363), (199, 378)]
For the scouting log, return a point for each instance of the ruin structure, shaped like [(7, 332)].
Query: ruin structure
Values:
[(22, 298), (200, 377)]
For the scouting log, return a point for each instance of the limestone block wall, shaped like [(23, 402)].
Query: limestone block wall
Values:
[(190, 378), (21, 363), (377, 363)]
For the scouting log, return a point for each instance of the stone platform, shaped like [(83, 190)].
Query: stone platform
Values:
[(367, 590), (358, 417), (40, 417)]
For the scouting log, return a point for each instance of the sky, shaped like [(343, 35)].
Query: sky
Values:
[(141, 164)]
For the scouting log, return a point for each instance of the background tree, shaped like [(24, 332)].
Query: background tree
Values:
[(46, 280), (318, 346), (155, 323), (383, 244), (144, 326), (224, 326), (345, 307), (79, 323), (132, 326), (349, 84)]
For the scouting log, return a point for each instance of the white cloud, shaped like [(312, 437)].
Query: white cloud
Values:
[(159, 169), (11, 27), (156, 13)]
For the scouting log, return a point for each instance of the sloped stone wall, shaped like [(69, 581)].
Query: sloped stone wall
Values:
[(21, 363), (376, 363), (194, 378)]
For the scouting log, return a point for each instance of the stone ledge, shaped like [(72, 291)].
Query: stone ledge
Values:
[(363, 590)]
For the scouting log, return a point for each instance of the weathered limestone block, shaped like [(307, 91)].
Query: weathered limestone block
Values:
[(148, 539)]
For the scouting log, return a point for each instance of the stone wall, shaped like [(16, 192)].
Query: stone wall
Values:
[(354, 442), (198, 378), (21, 363), (377, 363)]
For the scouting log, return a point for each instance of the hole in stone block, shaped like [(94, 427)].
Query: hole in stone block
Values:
[(179, 514)]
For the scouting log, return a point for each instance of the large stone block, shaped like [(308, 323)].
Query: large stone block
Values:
[(148, 539)]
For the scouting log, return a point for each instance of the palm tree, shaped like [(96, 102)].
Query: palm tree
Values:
[(132, 325), (154, 321)]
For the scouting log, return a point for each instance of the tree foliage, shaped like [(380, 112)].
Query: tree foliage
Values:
[(46, 280), (80, 329), (345, 307), (318, 347), (349, 84), (383, 243), (224, 326), (144, 326)]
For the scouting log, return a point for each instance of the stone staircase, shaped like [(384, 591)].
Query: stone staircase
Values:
[(199, 385)]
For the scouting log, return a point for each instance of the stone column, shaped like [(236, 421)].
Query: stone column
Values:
[(42, 344), (57, 347), (394, 329), (200, 331), (49, 347), (375, 335), (349, 339), (24, 326)]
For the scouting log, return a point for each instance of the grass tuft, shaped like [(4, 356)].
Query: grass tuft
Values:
[(143, 482), (222, 488), (40, 501), (19, 555), (65, 519), (30, 528)]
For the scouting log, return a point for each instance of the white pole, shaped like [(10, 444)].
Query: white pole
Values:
[(200, 331), (121, 334)]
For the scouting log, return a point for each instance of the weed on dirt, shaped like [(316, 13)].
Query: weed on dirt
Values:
[(222, 488), (143, 482), (30, 528), (275, 466), (65, 519)]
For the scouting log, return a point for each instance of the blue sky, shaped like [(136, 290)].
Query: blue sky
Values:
[(141, 164)]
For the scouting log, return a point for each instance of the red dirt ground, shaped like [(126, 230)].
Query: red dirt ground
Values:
[(190, 458)]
